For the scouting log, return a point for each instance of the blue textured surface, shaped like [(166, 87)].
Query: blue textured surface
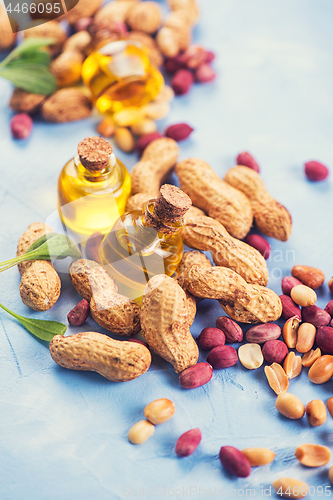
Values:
[(63, 434)]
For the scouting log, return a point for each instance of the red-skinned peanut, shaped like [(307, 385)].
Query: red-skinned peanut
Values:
[(289, 308), (316, 316), (234, 461), (288, 283), (247, 160), (315, 171), (274, 351), (259, 243), (232, 331), (196, 375), (210, 338), (188, 442), (222, 356)]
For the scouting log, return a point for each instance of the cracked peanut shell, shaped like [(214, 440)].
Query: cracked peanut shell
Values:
[(164, 320), (116, 360), (205, 233), (217, 198)]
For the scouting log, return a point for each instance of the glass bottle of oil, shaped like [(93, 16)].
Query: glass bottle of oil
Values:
[(93, 189), (120, 73), (144, 243)]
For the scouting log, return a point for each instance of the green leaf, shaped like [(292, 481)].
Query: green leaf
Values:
[(47, 247), (28, 44), (31, 57), (42, 329), (34, 78)]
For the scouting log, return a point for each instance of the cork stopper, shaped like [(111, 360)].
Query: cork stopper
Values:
[(169, 207), (94, 153), (171, 203)]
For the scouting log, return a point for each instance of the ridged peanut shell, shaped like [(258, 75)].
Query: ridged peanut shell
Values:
[(116, 313), (207, 234), (34, 231), (241, 301), (221, 201), (164, 320), (138, 200), (190, 259), (115, 360), (89, 277), (40, 286), (155, 166), (271, 218)]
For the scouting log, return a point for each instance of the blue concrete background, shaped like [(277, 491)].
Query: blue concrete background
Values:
[(63, 434)]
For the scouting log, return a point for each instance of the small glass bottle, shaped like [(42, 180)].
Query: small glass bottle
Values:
[(93, 189), (120, 73), (144, 243)]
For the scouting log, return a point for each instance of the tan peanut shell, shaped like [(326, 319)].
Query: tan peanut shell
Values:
[(190, 259), (241, 301), (138, 200), (115, 360), (164, 320), (205, 233), (89, 277), (34, 231), (193, 213), (191, 302), (271, 218), (144, 16), (116, 313), (155, 166), (313, 455), (40, 286), (259, 456), (221, 201)]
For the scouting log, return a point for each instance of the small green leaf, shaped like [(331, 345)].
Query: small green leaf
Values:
[(31, 57), (34, 78), (42, 329), (28, 44)]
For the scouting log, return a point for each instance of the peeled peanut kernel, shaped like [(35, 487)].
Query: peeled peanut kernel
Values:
[(303, 295), (289, 331), (166, 94), (259, 456), (322, 369), (306, 335), (140, 432), (156, 110), (313, 455), (330, 475), (143, 127), (329, 404), (310, 357), (290, 406), (316, 412), (277, 378), (291, 488), (124, 139), (128, 116), (159, 411), (250, 356), (292, 365), (106, 127)]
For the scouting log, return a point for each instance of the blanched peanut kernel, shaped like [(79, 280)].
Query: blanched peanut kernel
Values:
[(322, 370), (313, 455), (310, 357), (305, 337), (290, 406), (277, 378), (292, 365), (316, 412), (289, 331), (145, 126), (140, 432), (259, 456), (128, 116), (303, 295), (291, 488), (159, 411), (166, 94), (250, 356), (124, 139), (156, 110)]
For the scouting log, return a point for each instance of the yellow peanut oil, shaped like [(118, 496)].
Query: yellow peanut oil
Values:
[(132, 253), (120, 74), (90, 202)]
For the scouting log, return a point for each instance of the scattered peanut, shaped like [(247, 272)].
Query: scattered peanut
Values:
[(247, 160), (259, 456), (250, 356), (324, 339), (145, 140), (315, 171), (221, 201), (316, 412), (232, 331), (290, 488), (310, 357), (66, 105), (277, 378), (106, 127), (128, 116), (124, 139), (289, 331), (188, 442), (156, 110), (306, 335), (159, 411), (234, 461), (309, 276), (115, 360), (78, 315), (260, 334), (140, 432), (196, 376), (145, 16), (222, 356), (292, 365), (329, 404), (274, 351), (289, 308), (313, 455), (321, 370), (259, 243), (143, 127), (316, 316), (303, 295), (210, 338), (21, 126), (290, 406), (287, 283), (66, 68)]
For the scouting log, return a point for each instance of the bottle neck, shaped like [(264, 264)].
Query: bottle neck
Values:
[(95, 176), (150, 219)]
